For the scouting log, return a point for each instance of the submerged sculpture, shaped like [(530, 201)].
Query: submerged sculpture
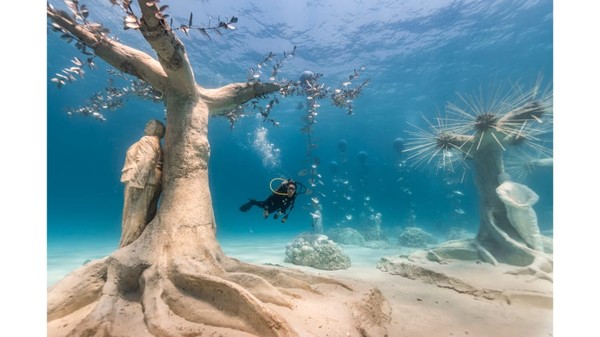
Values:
[(141, 175), (519, 200), (317, 219), (174, 279), (477, 136)]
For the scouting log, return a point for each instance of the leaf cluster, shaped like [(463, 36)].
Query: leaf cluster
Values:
[(111, 97), (66, 74), (228, 24), (114, 96), (80, 15), (132, 21), (255, 73), (311, 89)]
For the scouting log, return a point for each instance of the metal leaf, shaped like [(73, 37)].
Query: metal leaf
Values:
[(67, 37), (84, 11), (72, 6), (77, 61), (132, 25), (131, 19), (185, 29), (203, 31)]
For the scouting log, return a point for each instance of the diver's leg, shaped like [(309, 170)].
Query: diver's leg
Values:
[(245, 207), (269, 207)]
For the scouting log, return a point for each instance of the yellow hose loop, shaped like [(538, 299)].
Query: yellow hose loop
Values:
[(271, 185)]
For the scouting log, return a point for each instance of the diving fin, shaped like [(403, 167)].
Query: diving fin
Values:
[(245, 207)]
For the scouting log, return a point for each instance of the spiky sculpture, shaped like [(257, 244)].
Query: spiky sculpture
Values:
[(477, 136), (175, 280)]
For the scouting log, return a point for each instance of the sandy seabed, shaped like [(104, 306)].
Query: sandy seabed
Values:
[(461, 298)]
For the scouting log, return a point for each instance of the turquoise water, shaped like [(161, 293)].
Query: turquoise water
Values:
[(417, 57)]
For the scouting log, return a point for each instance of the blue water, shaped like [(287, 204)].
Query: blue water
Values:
[(417, 57)]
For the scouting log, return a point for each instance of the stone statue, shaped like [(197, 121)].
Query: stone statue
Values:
[(317, 220), (519, 200), (141, 175), (375, 230)]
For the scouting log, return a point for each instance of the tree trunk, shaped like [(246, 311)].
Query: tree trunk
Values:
[(488, 166)]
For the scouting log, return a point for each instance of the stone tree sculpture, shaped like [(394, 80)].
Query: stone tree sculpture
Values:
[(478, 135), (175, 280)]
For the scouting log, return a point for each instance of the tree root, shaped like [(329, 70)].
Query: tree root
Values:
[(282, 277), (77, 289), (441, 280), (184, 299), (540, 264), (499, 248)]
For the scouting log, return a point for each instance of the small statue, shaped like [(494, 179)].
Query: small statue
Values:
[(141, 175), (376, 225), (317, 219)]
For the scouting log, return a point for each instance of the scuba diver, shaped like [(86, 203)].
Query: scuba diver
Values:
[(280, 202)]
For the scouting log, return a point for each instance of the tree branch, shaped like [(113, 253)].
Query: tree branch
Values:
[(516, 119), (169, 49), (529, 111), (120, 56), (453, 141), (225, 98)]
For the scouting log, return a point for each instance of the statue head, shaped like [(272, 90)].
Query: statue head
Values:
[(154, 127)]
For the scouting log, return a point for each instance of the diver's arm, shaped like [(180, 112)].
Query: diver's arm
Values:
[(284, 209)]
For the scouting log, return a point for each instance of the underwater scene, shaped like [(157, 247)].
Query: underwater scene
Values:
[(300, 168)]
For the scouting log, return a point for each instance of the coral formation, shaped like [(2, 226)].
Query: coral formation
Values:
[(317, 251), (346, 236), (415, 237)]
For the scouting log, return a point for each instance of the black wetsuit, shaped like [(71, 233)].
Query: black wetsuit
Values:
[(276, 201)]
